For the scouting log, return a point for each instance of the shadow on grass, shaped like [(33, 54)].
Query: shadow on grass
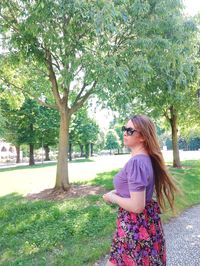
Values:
[(82, 160), (40, 165), (21, 167), (52, 233), (104, 179)]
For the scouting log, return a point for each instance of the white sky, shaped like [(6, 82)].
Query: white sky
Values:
[(192, 6)]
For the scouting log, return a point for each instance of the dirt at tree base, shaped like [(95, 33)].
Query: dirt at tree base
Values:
[(75, 191)]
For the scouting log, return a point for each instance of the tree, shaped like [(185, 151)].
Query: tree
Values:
[(112, 141), (166, 52), (69, 46), (190, 138), (10, 126), (117, 124), (83, 131), (30, 124), (27, 127), (171, 87), (48, 127)]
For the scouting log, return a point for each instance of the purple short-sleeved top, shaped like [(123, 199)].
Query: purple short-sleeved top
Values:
[(137, 175)]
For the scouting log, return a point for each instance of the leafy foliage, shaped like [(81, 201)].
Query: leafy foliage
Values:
[(112, 140)]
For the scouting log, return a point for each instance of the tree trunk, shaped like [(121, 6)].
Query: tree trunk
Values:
[(31, 154), (87, 151), (18, 154), (47, 150), (91, 149), (173, 123), (82, 151), (70, 151), (62, 178)]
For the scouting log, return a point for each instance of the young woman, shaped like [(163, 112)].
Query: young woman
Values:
[(139, 238)]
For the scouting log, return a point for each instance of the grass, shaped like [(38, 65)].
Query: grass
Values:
[(41, 166), (24, 167), (24, 179), (74, 231)]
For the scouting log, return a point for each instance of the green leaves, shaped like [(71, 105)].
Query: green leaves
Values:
[(112, 140), (83, 130)]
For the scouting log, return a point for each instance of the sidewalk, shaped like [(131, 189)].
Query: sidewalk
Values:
[(182, 238)]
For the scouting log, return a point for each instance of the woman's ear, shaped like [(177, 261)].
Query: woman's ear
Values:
[(141, 139)]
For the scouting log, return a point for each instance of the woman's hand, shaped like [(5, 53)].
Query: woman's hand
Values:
[(106, 198), (109, 197)]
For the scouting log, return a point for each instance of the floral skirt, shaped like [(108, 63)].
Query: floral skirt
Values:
[(139, 238)]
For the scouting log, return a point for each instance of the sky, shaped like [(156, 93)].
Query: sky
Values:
[(192, 6)]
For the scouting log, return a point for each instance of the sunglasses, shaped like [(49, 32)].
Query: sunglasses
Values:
[(128, 130)]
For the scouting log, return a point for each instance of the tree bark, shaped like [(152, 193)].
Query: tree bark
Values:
[(47, 150), (82, 151), (31, 154), (62, 177), (91, 149), (18, 154), (70, 151), (87, 150), (173, 123)]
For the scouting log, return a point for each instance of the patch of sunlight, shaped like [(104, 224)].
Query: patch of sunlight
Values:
[(8, 254), (29, 248), (189, 226), (81, 224)]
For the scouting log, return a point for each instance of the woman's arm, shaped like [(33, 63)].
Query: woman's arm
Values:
[(134, 204)]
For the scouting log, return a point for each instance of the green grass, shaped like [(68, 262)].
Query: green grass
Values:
[(188, 179), (23, 179), (24, 167), (41, 166), (74, 231)]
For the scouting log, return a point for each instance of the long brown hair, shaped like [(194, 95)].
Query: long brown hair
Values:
[(164, 184)]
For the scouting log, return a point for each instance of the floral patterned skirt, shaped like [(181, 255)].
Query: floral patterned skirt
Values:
[(139, 238)]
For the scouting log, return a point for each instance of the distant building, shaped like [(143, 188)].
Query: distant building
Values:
[(7, 150)]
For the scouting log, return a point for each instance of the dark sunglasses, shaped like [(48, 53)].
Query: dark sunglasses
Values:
[(128, 130)]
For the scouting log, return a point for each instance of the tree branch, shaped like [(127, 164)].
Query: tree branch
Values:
[(52, 55), (28, 93), (6, 19), (78, 104), (167, 115), (46, 104), (53, 80), (80, 92)]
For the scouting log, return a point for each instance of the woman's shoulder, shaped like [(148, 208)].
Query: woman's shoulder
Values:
[(140, 158), (140, 163)]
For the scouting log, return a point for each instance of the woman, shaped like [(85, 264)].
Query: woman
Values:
[(139, 238)]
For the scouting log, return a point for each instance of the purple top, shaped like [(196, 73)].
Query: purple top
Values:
[(137, 175)]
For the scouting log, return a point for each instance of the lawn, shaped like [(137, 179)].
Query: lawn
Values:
[(75, 231), (31, 179)]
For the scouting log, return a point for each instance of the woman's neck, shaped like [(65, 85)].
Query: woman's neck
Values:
[(138, 150)]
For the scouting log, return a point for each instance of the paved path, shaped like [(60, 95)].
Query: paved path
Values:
[(182, 238)]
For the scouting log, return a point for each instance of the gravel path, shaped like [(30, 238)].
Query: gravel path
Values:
[(183, 239)]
